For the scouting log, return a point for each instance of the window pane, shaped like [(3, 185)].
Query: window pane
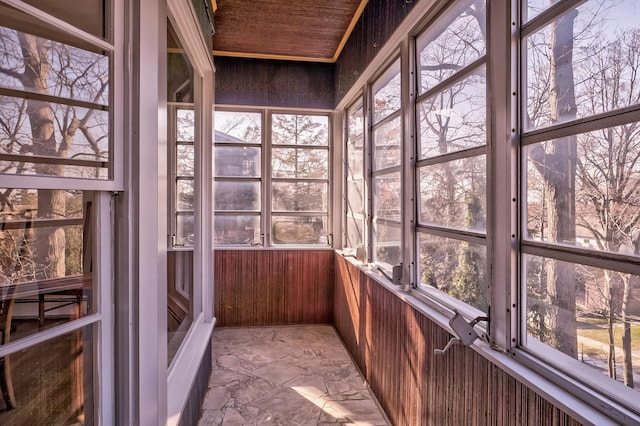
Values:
[(59, 70), (300, 163), (299, 230), (387, 196), (180, 282), (386, 93), (387, 144), (237, 229), (186, 119), (355, 232), (291, 129), (355, 158), (237, 195), (453, 42), (533, 8), (237, 161), (583, 190), (185, 230), (356, 121), (53, 150), (455, 118), (184, 196), (299, 196), (453, 194), (584, 312), (185, 160), (355, 196), (240, 127), (455, 267), (596, 71), (387, 243), (45, 258), (54, 381)]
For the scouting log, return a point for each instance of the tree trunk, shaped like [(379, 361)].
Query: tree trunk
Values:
[(557, 164), (50, 241), (627, 363)]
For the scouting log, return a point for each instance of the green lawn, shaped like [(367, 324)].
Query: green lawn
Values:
[(602, 335)]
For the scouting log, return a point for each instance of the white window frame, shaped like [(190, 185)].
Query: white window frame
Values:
[(103, 223), (266, 213)]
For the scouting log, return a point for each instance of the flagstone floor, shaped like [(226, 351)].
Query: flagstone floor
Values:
[(294, 375)]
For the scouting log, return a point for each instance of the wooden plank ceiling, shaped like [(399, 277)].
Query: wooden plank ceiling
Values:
[(303, 30)]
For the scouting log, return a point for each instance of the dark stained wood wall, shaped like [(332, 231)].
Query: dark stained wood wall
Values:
[(376, 25), (260, 82), (273, 287), (393, 345)]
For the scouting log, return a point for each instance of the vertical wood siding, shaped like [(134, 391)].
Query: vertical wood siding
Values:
[(393, 345), (273, 287), (261, 82)]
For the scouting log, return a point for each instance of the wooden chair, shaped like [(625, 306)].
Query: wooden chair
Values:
[(6, 314)]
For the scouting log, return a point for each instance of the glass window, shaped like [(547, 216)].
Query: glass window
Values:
[(55, 109), (451, 172), (355, 197), (300, 179), (386, 93), (238, 178), (580, 198)]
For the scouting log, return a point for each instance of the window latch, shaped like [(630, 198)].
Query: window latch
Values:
[(465, 334)]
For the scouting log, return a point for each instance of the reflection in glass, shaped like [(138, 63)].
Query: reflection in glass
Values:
[(184, 230), (585, 313), (59, 70), (356, 121), (583, 190), (179, 298), (453, 42), (238, 127), (387, 141), (355, 159), (237, 161), (86, 131), (185, 160), (387, 241), (299, 229), (184, 194), (453, 194), (45, 258), (387, 196), (597, 70), (237, 229), (455, 267), (299, 196), (186, 121), (355, 232), (355, 196), (387, 93), (237, 195), (454, 118), (300, 163), (54, 381), (295, 129)]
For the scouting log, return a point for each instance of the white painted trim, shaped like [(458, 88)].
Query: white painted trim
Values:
[(185, 367)]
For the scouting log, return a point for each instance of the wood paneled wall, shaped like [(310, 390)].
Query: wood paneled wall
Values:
[(376, 25), (393, 345), (273, 287), (260, 82)]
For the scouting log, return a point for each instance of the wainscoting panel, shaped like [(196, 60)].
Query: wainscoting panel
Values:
[(273, 287)]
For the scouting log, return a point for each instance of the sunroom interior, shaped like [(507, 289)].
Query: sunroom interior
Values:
[(451, 186)]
